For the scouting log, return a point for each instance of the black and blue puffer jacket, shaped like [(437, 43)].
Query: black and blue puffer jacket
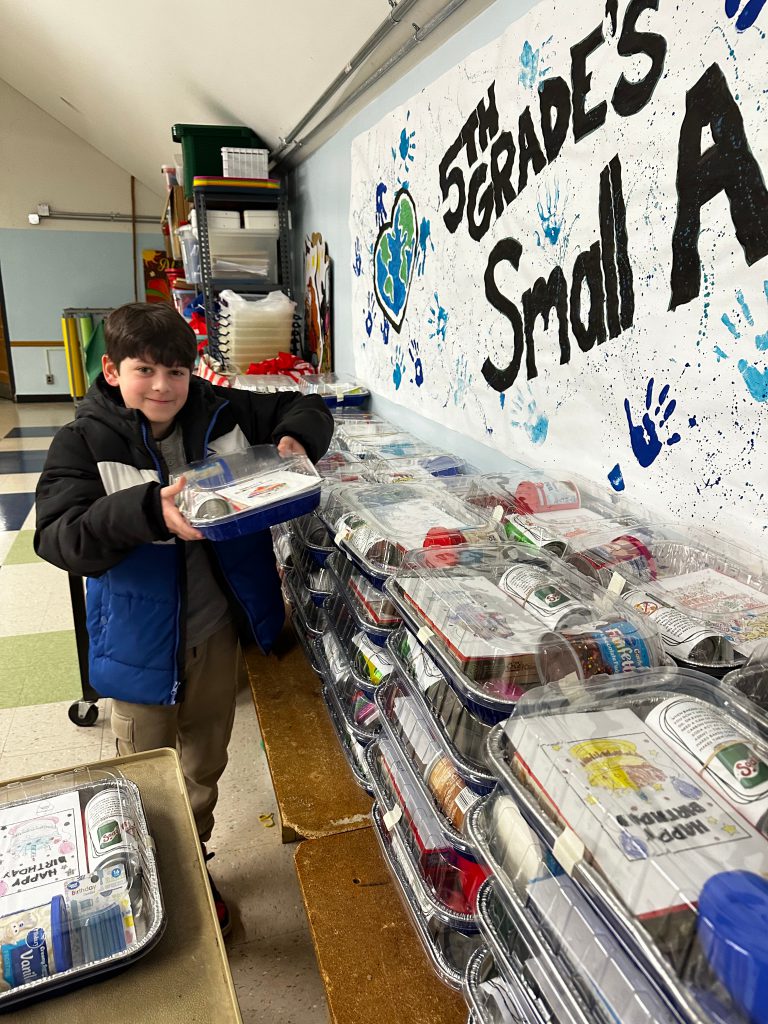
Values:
[(99, 515)]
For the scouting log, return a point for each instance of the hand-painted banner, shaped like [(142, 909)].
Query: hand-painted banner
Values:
[(561, 249)]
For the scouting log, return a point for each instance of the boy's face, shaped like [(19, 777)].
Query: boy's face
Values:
[(156, 390)]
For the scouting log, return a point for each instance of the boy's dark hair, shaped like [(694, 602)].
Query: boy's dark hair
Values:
[(150, 330)]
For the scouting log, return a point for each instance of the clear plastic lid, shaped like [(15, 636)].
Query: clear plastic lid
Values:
[(313, 577), (409, 725), (360, 714), (265, 384), (342, 467), (376, 524), (652, 793), (463, 731), (310, 615), (354, 414), (313, 534), (405, 470), (229, 495), (352, 430), (336, 386), (530, 910), (392, 446), (449, 949), (708, 597), (79, 889), (368, 661), (450, 876), (281, 542), (494, 998), (501, 620), (372, 608), (751, 680)]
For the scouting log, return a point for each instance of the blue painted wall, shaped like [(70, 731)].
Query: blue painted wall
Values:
[(46, 271), (320, 189)]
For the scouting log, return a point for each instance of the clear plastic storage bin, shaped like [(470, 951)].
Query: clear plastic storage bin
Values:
[(377, 524), (228, 496), (341, 467), (315, 537), (451, 876), (79, 888), (708, 597), (463, 731), (310, 615), (652, 793), (499, 621), (314, 578), (351, 746), (447, 948)]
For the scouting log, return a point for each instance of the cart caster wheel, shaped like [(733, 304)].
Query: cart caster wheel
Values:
[(82, 713)]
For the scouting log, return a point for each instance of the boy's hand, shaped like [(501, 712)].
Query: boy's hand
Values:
[(290, 446), (174, 520)]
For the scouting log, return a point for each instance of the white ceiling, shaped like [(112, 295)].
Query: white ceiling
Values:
[(128, 72)]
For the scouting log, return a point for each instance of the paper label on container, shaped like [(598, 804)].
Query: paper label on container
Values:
[(680, 633), (729, 606), (407, 522), (656, 830), (580, 527), (715, 748), (532, 587), (258, 491), (42, 846)]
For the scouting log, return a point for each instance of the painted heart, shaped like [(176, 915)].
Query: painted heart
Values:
[(394, 259)]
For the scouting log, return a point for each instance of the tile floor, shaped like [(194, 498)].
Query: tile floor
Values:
[(270, 949)]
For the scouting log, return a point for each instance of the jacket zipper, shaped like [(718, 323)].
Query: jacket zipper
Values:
[(179, 681)]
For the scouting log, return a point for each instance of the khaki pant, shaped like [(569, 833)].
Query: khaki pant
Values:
[(199, 727)]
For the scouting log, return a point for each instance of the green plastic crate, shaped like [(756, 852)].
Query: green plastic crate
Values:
[(201, 146)]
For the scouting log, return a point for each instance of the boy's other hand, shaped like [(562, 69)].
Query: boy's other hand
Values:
[(174, 520), (290, 446)]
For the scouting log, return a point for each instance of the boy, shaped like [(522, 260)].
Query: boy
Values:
[(163, 606)]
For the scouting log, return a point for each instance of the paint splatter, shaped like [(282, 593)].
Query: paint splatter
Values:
[(438, 321), (616, 478), (462, 380), (357, 263), (418, 368), (550, 216), (749, 13), (532, 73), (692, 421), (381, 212), (528, 416), (502, 399), (398, 367), (370, 314), (405, 150), (384, 328), (425, 237), (644, 436), (755, 377)]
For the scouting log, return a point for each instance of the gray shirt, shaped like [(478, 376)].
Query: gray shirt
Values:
[(207, 607)]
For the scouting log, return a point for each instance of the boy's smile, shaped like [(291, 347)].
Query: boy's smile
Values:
[(158, 391)]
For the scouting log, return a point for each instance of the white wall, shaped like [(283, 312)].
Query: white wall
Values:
[(320, 192), (60, 263)]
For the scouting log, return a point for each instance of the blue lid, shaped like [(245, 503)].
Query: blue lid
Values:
[(62, 951), (733, 932)]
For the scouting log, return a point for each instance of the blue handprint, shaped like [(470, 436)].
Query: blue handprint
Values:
[(406, 146), (462, 380), (398, 370), (357, 264), (552, 217), (532, 74), (755, 378), (418, 369), (381, 213), (529, 416), (438, 321), (370, 314), (748, 15), (384, 328), (644, 436), (425, 236)]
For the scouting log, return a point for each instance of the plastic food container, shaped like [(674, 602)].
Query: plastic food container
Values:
[(448, 948), (499, 621), (348, 415), (376, 524), (335, 389), (303, 634), (393, 446), (264, 383), (341, 467), (355, 427), (79, 889), (462, 731), (452, 876), (314, 535), (310, 614), (408, 724), (751, 680), (351, 747), (652, 794), (373, 610), (494, 999), (539, 925), (708, 597), (421, 468), (313, 578), (283, 546), (360, 713), (228, 496), (369, 662)]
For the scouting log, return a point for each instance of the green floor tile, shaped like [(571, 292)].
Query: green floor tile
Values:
[(21, 550), (38, 668)]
